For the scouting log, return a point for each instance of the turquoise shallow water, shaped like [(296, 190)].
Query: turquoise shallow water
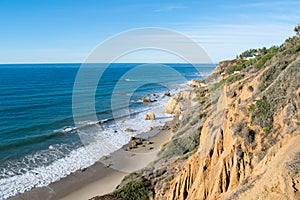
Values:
[(36, 122)]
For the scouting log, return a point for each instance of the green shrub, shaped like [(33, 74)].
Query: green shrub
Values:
[(236, 68), (262, 61), (169, 178), (273, 49), (292, 46), (241, 129), (135, 190), (187, 155), (233, 78), (271, 74), (262, 113), (266, 129), (132, 176), (178, 146), (175, 127), (250, 62), (217, 86)]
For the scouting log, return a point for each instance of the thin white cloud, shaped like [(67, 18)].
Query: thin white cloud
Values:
[(264, 4), (285, 17), (225, 41), (169, 8)]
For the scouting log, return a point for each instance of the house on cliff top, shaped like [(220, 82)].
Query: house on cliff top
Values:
[(251, 56)]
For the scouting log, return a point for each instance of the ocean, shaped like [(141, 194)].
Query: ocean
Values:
[(39, 141)]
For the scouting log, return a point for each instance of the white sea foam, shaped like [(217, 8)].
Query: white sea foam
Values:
[(129, 80)]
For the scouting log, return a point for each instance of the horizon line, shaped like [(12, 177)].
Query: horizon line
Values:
[(52, 63)]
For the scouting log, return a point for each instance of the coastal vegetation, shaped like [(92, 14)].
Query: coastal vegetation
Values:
[(135, 190), (262, 113)]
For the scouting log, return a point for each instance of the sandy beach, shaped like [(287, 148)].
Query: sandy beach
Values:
[(104, 176)]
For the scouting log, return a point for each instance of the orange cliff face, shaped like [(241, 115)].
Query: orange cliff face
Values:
[(242, 154)]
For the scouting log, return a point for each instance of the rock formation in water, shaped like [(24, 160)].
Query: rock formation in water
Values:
[(150, 116)]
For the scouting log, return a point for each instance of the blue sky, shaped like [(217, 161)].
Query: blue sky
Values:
[(34, 31)]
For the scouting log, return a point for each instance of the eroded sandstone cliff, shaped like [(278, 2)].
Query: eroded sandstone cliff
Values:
[(250, 143)]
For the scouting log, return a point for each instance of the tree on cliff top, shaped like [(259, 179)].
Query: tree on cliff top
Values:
[(297, 30)]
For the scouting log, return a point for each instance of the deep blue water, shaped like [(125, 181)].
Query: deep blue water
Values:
[(36, 107)]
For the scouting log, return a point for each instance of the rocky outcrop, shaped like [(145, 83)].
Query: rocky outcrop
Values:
[(167, 94), (197, 83), (150, 116), (180, 101), (130, 130), (173, 107), (146, 100)]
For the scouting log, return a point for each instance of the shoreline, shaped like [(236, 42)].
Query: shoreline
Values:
[(104, 176)]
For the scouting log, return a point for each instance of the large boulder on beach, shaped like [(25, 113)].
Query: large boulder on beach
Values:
[(133, 144), (173, 107), (150, 116), (130, 130), (181, 101), (146, 100), (168, 93)]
